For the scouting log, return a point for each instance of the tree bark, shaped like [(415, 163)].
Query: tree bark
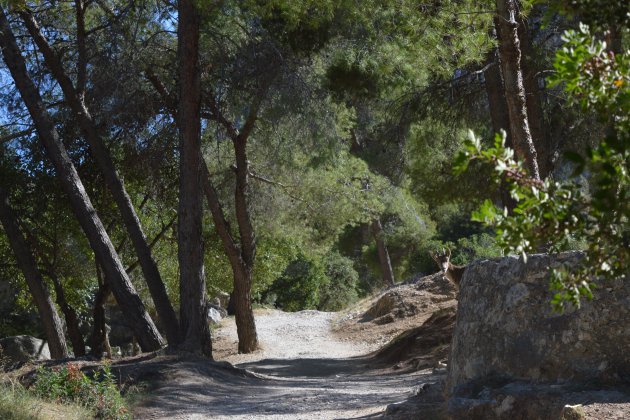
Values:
[(383, 254), (498, 115), (100, 339), (244, 314), (26, 261), (74, 98), (496, 96), (510, 57), (193, 309), (123, 290), (72, 320), (533, 101), (240, 300)]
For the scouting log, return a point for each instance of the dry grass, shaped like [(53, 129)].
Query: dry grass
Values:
[(16, 403)]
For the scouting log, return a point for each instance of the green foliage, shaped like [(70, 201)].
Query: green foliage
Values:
[(341, 288), (474, 247), (594, 77), (555, 214), (299, 285), (68, 384)]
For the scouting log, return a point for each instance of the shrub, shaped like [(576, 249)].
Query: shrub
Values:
[(68, 384), (298, 286), (342, 283)]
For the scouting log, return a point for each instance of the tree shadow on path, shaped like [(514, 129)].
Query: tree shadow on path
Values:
[(278, 388)]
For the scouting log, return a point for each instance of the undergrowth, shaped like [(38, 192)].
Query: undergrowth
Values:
[(17, 403), (68, 384)]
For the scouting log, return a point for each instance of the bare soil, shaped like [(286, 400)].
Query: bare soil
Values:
[(302, 371)]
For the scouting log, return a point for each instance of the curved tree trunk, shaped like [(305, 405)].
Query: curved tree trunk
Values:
[(193, 299), (383, 254), (510, 57), (73, 98), (240, 299), (123, 290), (26, 261)]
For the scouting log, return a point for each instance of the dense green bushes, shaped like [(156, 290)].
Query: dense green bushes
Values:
[(327, 284)]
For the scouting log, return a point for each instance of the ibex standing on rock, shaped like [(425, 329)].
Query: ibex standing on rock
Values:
[(452, 272)]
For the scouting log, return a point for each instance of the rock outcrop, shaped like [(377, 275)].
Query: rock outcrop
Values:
[(22, 349), (506, 333)]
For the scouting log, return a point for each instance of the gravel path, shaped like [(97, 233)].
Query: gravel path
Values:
[(301, 372), (288, 335)]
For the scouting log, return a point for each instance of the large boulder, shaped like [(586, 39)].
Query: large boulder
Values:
[(507, 332), (23, 348)]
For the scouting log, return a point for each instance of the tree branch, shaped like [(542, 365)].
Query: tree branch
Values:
[(81, 48), (152, 244), (284, 187), (16, 135)]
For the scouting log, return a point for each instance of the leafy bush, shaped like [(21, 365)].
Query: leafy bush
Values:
[(68, 384), (299, 285), (342, 283), (476, 247)]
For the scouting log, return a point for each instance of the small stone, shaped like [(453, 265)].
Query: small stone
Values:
[(572, 412)]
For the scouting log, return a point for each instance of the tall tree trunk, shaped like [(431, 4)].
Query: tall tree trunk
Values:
[(496, 96), (74, 98), (100, 339), (69, 313), (123, 290), (510, 57), (498, 115), (383, 254), (26, 261), (246, 326), (193, 299), (533, 101)]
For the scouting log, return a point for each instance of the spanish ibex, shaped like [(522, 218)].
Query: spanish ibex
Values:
[(452, 272)]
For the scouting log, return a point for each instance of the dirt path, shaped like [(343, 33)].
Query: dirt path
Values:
[(303, 371)]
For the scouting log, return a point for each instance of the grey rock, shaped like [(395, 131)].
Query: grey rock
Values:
[(214, 315), (506, 327), (23, 348), (528, 400)]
